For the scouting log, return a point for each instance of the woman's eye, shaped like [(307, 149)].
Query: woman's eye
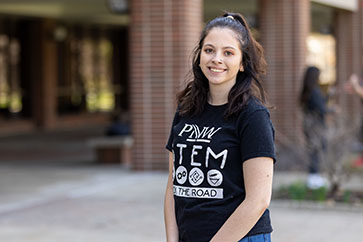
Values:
[(227, 53), (208, 50)]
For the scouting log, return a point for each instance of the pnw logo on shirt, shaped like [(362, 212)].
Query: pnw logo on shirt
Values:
[(196, 176), (198, 135)]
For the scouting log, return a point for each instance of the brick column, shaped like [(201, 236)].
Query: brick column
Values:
[(162, 36), (284, 26), (349, 39), (44, 84)]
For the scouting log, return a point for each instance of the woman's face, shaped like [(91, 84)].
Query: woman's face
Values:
[(221, 57)]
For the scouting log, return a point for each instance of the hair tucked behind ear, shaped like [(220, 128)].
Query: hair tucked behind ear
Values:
[(194, 97)]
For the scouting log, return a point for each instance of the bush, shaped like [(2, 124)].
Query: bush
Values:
[(299, 191)]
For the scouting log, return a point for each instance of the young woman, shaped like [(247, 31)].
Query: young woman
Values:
[(221, 142), (315, 109)]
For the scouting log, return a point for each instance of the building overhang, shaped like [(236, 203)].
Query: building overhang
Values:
[(351, 5), (88, 11)]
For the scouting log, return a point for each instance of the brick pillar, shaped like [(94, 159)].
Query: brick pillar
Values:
[(349, 37), (162, 36), (284, 26), (44, 85)]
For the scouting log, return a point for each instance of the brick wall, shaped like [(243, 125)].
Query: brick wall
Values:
[(284, 25), (162, 36), (348, 34)]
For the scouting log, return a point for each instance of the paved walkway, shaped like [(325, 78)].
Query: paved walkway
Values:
[(51, 191), (90, 203)]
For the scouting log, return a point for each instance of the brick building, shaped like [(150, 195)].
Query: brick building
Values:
[(66, 63)]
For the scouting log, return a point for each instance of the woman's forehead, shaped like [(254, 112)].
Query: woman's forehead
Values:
[(221, 37)]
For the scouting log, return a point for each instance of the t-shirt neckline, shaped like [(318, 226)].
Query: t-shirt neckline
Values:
[(216, 106)]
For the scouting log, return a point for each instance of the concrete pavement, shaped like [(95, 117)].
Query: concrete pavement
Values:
[(52, 191), (92, 203)]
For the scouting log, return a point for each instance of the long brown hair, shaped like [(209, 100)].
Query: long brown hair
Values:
[(194, 97), (311, 81)]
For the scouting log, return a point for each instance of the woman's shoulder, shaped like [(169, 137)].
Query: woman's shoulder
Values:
[(254, 116), (253, 105)]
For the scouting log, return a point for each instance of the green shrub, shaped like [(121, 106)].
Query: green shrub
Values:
[(299, 191), (347, 196), (318, 194)]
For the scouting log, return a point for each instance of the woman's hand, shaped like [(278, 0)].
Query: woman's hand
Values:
[(257, 174)]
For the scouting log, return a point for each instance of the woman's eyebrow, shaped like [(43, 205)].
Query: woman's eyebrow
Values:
[(208, 45), (226, 47), (229, 47)]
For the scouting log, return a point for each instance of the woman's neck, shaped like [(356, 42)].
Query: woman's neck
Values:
[(217, 98), (218, 95)]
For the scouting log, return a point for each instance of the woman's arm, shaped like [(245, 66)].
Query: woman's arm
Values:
[(171, 227), (258, 174), (354, 81)]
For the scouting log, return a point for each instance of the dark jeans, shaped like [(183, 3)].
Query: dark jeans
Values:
[(315, 154), (257, 238), (314, 165)]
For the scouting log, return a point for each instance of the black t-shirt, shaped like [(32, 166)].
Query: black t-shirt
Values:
[(208, 179)]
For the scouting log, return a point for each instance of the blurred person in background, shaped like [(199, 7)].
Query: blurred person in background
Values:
[(119, 124), (354, 85), (315, 109)]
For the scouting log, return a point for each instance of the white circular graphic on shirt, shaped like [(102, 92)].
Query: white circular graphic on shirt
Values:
[(181, 174), (214, 178), (173, 173), (196, 176)]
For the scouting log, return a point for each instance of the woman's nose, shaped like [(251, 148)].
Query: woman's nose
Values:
[(217, 59)]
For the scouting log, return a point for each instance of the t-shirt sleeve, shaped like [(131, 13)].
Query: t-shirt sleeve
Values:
[(169, 144), (257, 136)]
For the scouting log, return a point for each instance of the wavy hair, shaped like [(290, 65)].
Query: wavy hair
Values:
[(194, 97)]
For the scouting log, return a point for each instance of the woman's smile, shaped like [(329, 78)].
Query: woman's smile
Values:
[(216, 70)]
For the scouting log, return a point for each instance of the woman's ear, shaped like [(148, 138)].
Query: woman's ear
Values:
[(241, 69)]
